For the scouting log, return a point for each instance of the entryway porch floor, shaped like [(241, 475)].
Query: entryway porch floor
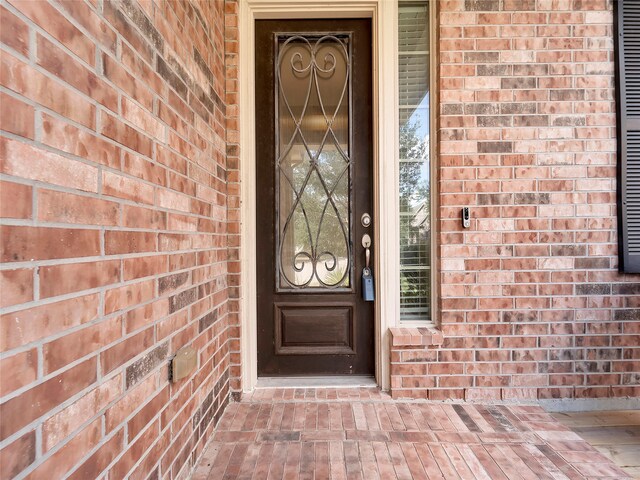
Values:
[(361, 433)]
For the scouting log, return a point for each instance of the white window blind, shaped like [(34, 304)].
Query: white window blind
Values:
[(414, 161)]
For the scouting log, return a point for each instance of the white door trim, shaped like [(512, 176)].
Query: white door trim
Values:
[(387, 275)]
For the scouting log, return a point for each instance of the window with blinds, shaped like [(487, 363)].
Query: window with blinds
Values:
[(414, 162)]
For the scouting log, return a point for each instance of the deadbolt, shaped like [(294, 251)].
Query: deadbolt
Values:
[(366, 241), (365, 219)]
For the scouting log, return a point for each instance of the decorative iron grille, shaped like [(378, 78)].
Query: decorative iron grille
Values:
[(313, 167)]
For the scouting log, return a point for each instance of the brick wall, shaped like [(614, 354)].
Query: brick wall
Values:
[(117, 226), (119, 184), (233, 190), (532, 304)]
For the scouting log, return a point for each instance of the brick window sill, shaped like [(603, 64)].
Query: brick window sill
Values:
[(415, 336)]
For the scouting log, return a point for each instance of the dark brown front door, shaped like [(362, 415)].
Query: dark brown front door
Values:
[(314, 183)]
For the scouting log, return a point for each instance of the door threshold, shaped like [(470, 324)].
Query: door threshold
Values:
[(335, 381)]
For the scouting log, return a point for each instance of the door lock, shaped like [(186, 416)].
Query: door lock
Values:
[(365, 220)]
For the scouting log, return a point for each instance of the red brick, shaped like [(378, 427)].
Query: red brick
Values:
[(15, 200), (64, 136), (144, 266), (141, 419), (128, 188), (71, 347), (18, 455), (119, 75), (139, 217), (124, 351), (16, 287), (54, 23), (127, 296), (125, 406), (144, 169), (145, 315), (27, 81), (96, 463), (89, 20), (32, 404), (147, 76), (124, 134), (74, 277), (168, 242), (143, 119), (61, 207), (14, 33), (22, 244), (59, 426), (63, 460), (173, 324), (182, 261), (135, 451), (45, 166), (124, 26), (73, 73), (16, 116), (18, 371), (26, 326), (119, 242), (171, 160), (149, 460)]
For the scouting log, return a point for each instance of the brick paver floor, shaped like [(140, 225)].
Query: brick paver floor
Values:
[(363, 434)]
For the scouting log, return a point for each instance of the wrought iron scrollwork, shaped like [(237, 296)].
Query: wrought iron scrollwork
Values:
[(318, 64)]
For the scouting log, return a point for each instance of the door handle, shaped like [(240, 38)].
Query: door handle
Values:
[(368, 290), (366, 243)]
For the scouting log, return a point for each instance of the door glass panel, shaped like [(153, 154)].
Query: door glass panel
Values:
[(313, 168)]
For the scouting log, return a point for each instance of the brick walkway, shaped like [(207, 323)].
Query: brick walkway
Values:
[(363, 434)]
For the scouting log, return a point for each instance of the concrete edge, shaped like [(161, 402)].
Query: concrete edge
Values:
[(589, 404)]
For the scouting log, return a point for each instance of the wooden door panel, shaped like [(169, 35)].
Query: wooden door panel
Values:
[(314, 328), (314, 171)]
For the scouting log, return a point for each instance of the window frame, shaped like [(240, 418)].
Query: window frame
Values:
[(434, 178)]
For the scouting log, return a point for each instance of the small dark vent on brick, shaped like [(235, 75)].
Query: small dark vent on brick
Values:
[(628, 111)]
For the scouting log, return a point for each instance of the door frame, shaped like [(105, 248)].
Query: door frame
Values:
[(383, 14)]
